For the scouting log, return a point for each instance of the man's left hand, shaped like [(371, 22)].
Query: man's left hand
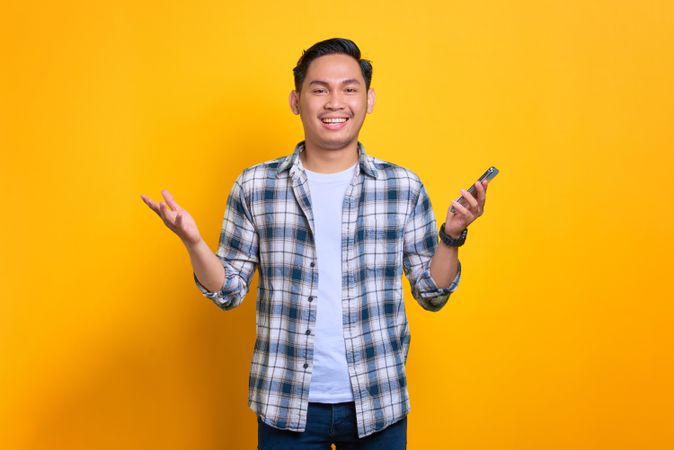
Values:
[(465, 215)]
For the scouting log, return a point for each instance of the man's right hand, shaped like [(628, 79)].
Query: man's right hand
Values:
[(176, 218)]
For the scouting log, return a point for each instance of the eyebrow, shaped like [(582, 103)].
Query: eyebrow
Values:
[(343, 82)]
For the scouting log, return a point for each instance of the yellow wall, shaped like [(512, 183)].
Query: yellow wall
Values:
[(560, 335)]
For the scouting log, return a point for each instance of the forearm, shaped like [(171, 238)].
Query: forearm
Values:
[(207, 266), (444, 264)]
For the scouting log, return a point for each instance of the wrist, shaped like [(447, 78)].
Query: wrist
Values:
[(454, 234), (192, 246), (452, 241)]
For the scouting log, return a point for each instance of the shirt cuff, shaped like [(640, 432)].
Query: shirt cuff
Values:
[(433, 290), (210, 294)]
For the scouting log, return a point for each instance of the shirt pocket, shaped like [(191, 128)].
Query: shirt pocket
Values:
[(382, 247)]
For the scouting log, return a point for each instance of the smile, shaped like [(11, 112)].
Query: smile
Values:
[(334, 123)]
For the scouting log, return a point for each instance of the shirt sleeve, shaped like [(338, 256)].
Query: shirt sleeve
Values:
[(237, 250), (420, 243)]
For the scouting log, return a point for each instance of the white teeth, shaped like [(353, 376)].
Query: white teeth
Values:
[(334, 120)]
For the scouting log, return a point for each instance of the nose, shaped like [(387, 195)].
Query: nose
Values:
[(334, 101)]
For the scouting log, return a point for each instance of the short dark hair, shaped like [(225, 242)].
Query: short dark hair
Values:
[(329, 47)]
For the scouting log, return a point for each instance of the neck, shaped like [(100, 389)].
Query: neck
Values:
[(322, 160)]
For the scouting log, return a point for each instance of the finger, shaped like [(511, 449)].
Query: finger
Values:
[(481, 196), (480, 188), (169, 199), (472, 202), (151, 203), (459, 199), (165, 213), (462, 210)]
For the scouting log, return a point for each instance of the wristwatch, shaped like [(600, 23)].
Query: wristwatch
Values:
[(450, 241)]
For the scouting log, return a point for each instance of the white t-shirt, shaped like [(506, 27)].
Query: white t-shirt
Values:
[(330, 381)]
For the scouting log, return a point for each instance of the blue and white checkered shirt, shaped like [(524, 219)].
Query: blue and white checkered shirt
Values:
[(388, 227)]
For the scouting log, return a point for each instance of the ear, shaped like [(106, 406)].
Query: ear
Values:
[(294, 100), (370, 100)]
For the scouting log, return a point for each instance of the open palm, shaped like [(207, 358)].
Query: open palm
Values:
[(175, 218)]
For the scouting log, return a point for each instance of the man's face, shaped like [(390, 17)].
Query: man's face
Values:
[(333, 102)]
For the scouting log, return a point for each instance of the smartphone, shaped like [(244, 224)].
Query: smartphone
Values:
[(488, 175)]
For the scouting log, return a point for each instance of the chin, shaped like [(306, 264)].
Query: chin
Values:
[(330, 142), (335, 145)]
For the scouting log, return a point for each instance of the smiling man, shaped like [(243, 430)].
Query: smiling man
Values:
[(331, 230), (332, 96)]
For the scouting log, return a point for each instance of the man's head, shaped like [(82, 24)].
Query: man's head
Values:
[(331, 47), (332, 93)]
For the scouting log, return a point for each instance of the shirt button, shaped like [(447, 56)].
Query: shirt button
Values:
[(311, 298), (306, 365), (308, 332), (313, 264)]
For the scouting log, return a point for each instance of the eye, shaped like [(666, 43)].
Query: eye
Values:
[(351, 90), (318, 91)]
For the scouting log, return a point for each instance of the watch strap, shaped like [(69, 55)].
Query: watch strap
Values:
[(450, 241)]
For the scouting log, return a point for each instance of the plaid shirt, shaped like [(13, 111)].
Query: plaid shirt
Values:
[(388, 226)]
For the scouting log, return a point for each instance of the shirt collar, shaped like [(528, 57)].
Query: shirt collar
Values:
[(293, 161)]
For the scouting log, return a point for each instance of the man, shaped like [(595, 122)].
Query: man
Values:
[(331, 230)]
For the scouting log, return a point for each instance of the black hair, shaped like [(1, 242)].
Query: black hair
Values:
[(329, 47)]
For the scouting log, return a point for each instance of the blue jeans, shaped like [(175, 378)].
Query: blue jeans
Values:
[(329, 423)]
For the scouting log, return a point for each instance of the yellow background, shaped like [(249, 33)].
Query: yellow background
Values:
[(560, 335)]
